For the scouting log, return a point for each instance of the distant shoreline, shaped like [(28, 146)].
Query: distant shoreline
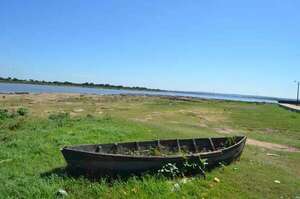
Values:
[(27, 88), (84, 85), (78, 86), (179, 98), (10, 80)]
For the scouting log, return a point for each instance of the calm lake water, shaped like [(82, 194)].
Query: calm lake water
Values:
[(11, 88)]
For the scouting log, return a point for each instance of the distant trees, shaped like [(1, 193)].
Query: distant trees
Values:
[(67, 83)]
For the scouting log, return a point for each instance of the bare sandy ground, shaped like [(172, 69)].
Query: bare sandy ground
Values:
[(267, 145), (272, 146)]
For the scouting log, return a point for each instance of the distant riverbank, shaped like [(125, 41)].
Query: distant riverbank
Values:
[(35, 88), (67, 83)]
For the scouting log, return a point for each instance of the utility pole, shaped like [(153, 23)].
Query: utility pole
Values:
[(298, 83), (298, 94)]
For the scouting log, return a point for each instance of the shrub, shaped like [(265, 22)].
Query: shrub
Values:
[(189, 167), (90, 116), (22, 111), (106, 117), (15, 124), (4, 114), (194, 167), (169, 170), (59, 116)]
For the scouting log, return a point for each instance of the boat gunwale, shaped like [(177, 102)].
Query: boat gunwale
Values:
[(199, 154)]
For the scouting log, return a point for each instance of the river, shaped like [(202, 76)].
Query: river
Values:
[(30, 88)]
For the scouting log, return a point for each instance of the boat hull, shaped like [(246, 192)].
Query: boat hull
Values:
[(123, 164)]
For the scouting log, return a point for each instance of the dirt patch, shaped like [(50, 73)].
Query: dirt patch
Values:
[(205, 115), (140, 119), (78, 110), (72, 114), (224, 130), (272, 146), (267, 145), (202, 125), (155, 113), (174, 122)]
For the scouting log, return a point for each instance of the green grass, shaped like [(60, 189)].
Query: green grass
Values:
[(31, 165)]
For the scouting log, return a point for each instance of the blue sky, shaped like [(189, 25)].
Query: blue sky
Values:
[(243, 47)]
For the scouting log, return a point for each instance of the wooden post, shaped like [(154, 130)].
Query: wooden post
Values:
[(178, 145), (158, 144), (212, 144), (137, 146), (195, 146), (99, 149), (116, 147)]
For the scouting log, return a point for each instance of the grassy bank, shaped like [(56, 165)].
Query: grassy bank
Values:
[(31, 165)]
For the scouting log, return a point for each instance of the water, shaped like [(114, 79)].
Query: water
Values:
[(12, 87)]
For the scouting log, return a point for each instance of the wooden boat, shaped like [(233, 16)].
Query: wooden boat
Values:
[(138, 157)]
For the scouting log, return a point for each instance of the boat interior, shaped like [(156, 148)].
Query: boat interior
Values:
[(163, 147)]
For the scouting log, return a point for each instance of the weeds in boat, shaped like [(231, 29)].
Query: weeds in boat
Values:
[(230, 141)]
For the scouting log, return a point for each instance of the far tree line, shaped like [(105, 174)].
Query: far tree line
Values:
[(67, 83)]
